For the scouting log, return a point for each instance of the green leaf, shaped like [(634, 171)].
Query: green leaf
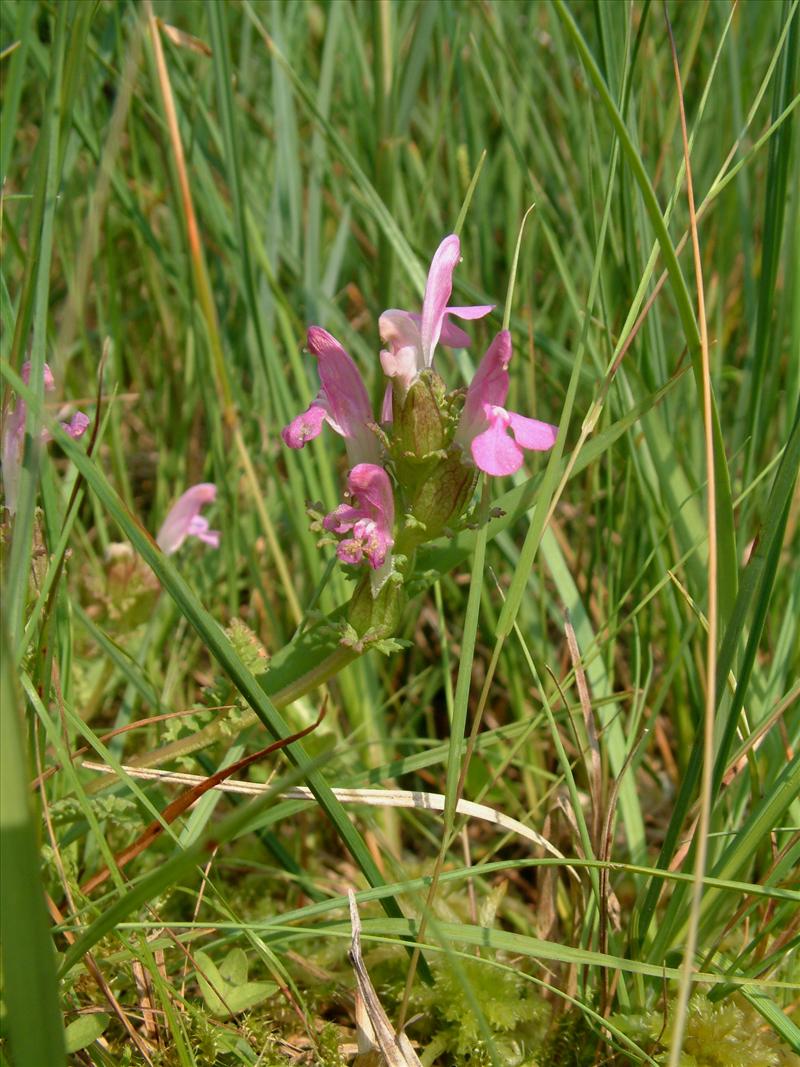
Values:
[(225, 989), (234, 967), (83, 1031)]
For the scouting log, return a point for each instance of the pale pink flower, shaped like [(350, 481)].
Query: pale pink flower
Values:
[(495, 437), (412, 338), (184, 519), (342, 402), (369, 518), (14, 435)]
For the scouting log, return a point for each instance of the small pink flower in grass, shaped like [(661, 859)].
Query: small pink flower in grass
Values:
[(412, 338), (369, 518), (14, 435), (496, 437), (184, 520), (342, 402)]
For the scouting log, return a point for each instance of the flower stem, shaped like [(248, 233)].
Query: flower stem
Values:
[(306, 683)]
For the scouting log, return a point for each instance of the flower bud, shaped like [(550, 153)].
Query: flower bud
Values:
[(378, 618), (420, 420)]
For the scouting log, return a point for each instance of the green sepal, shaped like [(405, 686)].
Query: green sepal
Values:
[(371, 619), (439, 501)]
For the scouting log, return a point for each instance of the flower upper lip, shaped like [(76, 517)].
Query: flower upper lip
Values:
[(412, 337), (343, 402)]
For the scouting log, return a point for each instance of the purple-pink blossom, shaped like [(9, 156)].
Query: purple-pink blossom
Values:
[(14, 435), (184, 519), (496, 437), (369, 518), (412, 338), (342, 402)]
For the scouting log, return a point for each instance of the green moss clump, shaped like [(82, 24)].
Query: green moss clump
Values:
[(517, 1017), (730, 1033)]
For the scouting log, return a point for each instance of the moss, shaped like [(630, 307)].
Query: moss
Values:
[(516, 1016), (730, 1033)]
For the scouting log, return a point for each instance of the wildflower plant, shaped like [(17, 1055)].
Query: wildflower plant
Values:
[(414, 470), (174, 193)]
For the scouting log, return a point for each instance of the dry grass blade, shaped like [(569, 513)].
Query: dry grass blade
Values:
[(378, 1042), (190, 797), (379, 798)]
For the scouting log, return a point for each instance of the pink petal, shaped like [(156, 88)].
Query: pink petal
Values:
[(491, 380), (495, 452), (437, 293), (342, 518), (351, 551), (399, 329), (374, 541), (77, 425), (14, 434), (378, 548), (182, 517), (345, 392), (15, 419), (387, 414), (345, 396), (305, 427), (370, 484), (489, 385), (371, 517), (198, 527), (471, 311), (497, 437), (47, 375), (453, 336), (401, 364), (403, 359), (531, 433)]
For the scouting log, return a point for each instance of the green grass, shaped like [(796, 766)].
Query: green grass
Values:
[(181, 198)]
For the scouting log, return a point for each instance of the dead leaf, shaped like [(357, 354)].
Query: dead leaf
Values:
[(378, 1043)]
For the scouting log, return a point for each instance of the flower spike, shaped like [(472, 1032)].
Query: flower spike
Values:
[(495, 437)]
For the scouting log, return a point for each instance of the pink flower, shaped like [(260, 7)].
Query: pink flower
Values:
[(370, 517), (14, 435), (184, 520), (496, 437), (412, 338), (342, 402)]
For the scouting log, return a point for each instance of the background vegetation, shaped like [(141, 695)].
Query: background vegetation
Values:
[(187, 186)]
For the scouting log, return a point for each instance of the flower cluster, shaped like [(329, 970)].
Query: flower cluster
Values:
[(413, 473), (13, 441), (183, 519)]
